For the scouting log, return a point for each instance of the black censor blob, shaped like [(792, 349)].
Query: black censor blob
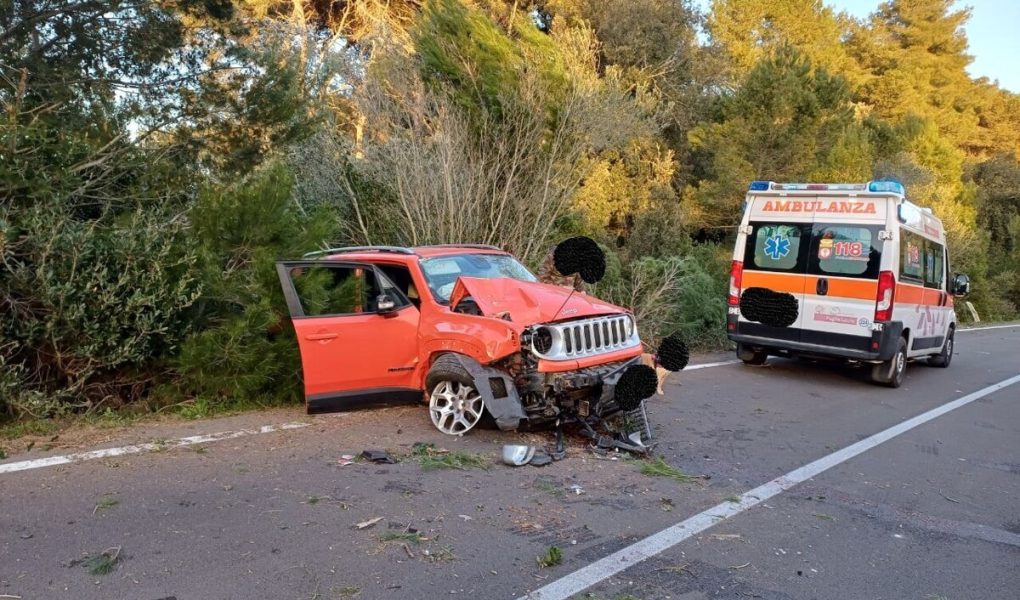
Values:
[(775, 309), (637, 383), (673, 353), (580, 255)]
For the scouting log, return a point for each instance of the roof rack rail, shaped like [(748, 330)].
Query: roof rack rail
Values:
[(479, 246), (349, 249)]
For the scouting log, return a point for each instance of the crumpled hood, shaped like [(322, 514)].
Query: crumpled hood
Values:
[(528, 303)]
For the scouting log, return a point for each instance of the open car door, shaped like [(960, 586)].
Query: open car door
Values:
[(357, 334)]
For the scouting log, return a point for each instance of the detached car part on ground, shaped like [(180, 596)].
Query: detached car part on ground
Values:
[(469, 329)]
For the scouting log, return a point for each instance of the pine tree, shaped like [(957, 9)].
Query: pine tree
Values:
[(917, 60)]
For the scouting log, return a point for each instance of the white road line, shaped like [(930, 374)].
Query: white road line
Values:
[(708, 365), (64, 459), (962, 329), (654, 544)]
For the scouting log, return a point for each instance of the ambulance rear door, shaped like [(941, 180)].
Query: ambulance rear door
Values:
[(843, 264), (774, 270)]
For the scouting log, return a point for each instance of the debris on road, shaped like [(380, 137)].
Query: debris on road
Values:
[(378, 457), (660, 468), (105, 562), (578, 490), (725, 536), (368, 523), (430, 457), (540, 459), (346, 459), (552, 557), (517, 455)]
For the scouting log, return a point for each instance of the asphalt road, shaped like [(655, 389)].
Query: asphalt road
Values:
[(933, 513)]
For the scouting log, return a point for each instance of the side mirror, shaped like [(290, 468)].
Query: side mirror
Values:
[(384, 304), (961, 285)]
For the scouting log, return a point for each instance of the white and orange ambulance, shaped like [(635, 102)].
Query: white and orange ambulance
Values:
[(852, 271)]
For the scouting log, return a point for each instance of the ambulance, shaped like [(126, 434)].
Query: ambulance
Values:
[(851, 271)]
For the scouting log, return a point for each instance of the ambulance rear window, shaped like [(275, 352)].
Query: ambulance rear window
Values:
[(776, 246), (846, 250)]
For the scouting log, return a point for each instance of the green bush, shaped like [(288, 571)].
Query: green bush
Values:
[(675, 293), (243, 348), (88, 303)]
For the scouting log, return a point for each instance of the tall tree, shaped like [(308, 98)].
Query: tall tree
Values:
[(786, 121), (751, 30), (917, 58)]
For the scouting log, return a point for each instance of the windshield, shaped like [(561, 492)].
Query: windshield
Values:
[(441, 272)]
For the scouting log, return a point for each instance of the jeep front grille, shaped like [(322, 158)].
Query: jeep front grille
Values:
[(587, 337)]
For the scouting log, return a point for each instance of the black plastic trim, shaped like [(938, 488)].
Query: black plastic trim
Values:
[(822, 343), (927, 342), (317, 404)]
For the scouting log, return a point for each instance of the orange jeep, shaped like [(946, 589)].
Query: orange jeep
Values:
[(468, 326)]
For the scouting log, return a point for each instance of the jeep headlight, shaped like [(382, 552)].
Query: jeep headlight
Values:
[(542, 340)]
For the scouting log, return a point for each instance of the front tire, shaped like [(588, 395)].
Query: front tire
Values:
[(455, 406), (890, 373), (945, 357)]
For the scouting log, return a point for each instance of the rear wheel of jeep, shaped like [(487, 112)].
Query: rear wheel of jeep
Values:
[(455, 406)]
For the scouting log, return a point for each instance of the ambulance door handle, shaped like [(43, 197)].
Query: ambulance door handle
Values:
[(822, 287)]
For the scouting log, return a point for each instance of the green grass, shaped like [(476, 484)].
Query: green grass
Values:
[(17, 429), (439, 553), (551, 488), (104, 563), (658, 467), (552, 557), (430, 457), (412, 537), (105, 503)]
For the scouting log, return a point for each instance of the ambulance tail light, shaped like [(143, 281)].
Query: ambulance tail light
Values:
[(884, 299), (736, 275)]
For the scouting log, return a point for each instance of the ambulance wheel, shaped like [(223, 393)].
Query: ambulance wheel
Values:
[(942, 359), (891, 372), (751, 356)]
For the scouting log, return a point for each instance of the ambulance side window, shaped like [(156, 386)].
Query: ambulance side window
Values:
[(933, 265), (911, 256)]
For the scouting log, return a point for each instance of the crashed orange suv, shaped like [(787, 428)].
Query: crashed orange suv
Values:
[(466, 328)]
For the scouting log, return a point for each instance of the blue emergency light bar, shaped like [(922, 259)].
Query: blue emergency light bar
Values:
[(884, 185)]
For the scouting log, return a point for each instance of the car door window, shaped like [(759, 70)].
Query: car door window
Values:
[(341, 289)]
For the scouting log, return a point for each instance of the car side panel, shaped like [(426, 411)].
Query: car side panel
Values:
[(357, 352)]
